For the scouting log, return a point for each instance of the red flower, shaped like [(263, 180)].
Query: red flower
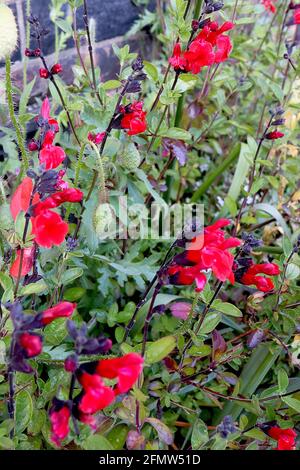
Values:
[(262, 283), (44, 73), (134, 118), (45, 114), (49, 229), (32, 344), (186, 276), (33, 146), (27, 262), (21, 198), (56, 68), (51, 155), (297, 16), (177, 60), (211, 46), (269, 5), (274, 135), (59, 417), (95, 395), (126, 369), (200, 54), (285, 437), (56, 199), (96, 138), (63, 309)]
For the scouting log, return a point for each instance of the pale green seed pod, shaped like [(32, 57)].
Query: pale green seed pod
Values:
[(104, 221), (8, 32), (130, 159)]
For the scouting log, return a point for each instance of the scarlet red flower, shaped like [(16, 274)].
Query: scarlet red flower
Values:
[(297, 16), (274, 135), (269, 5), (200, 54), (186, 276), (63, 309), (45, 114), (27, 262), (209, 47), (59, 417), (177, 60), (49, 229), (31, 343), (96, 138), (95, 395), (134, 118), (51, 156), (126, 369), (21, 197), (285, 437), (56, 199), (264, 284), (56, 68), (44, 73)]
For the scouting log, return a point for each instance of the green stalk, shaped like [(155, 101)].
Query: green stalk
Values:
[(13, 117), (214, 174), (77, 173), (101, 174)]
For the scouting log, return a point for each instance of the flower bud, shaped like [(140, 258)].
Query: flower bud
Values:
[(8, 32), (56, 68), (103, 220), (44, 73), (71, 363), (37, 52), (33, 146), (130, 159)]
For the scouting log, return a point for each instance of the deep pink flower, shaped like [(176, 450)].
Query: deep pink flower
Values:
[(45, 114), (96, 138), (63, 309), (44, 73), (21, 197), (56, 199), (297, 16), (49, 229), (56, 68), (180, 309)]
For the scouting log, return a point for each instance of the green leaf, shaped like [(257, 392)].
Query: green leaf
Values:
[(151, 70), (24, 410), (70, 275), (6, 443), (5, 281), (97, 442), (177, 133), (283, 380), (292, 403), (111, 84), (117, 436), (35, 288), (210, 322), (227, 308), (55, 332), (159, 349), (274, 213), (163, 432), (199, 434)]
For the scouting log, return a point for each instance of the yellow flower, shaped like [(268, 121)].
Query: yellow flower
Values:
[(8, 32)]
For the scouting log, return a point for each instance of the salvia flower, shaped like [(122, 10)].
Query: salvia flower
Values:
[(133, 118), (269, 5), (274, 135), (286, 438), (211, 46), (27, 344), (207, 251), (251, 276), (96, 138), (296, 16), (95, 394)]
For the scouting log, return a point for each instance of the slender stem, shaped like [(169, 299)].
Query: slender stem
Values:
[(149, 317), (90, 47), (200, 322), (13, 117), (286, 264), (27, 40)]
